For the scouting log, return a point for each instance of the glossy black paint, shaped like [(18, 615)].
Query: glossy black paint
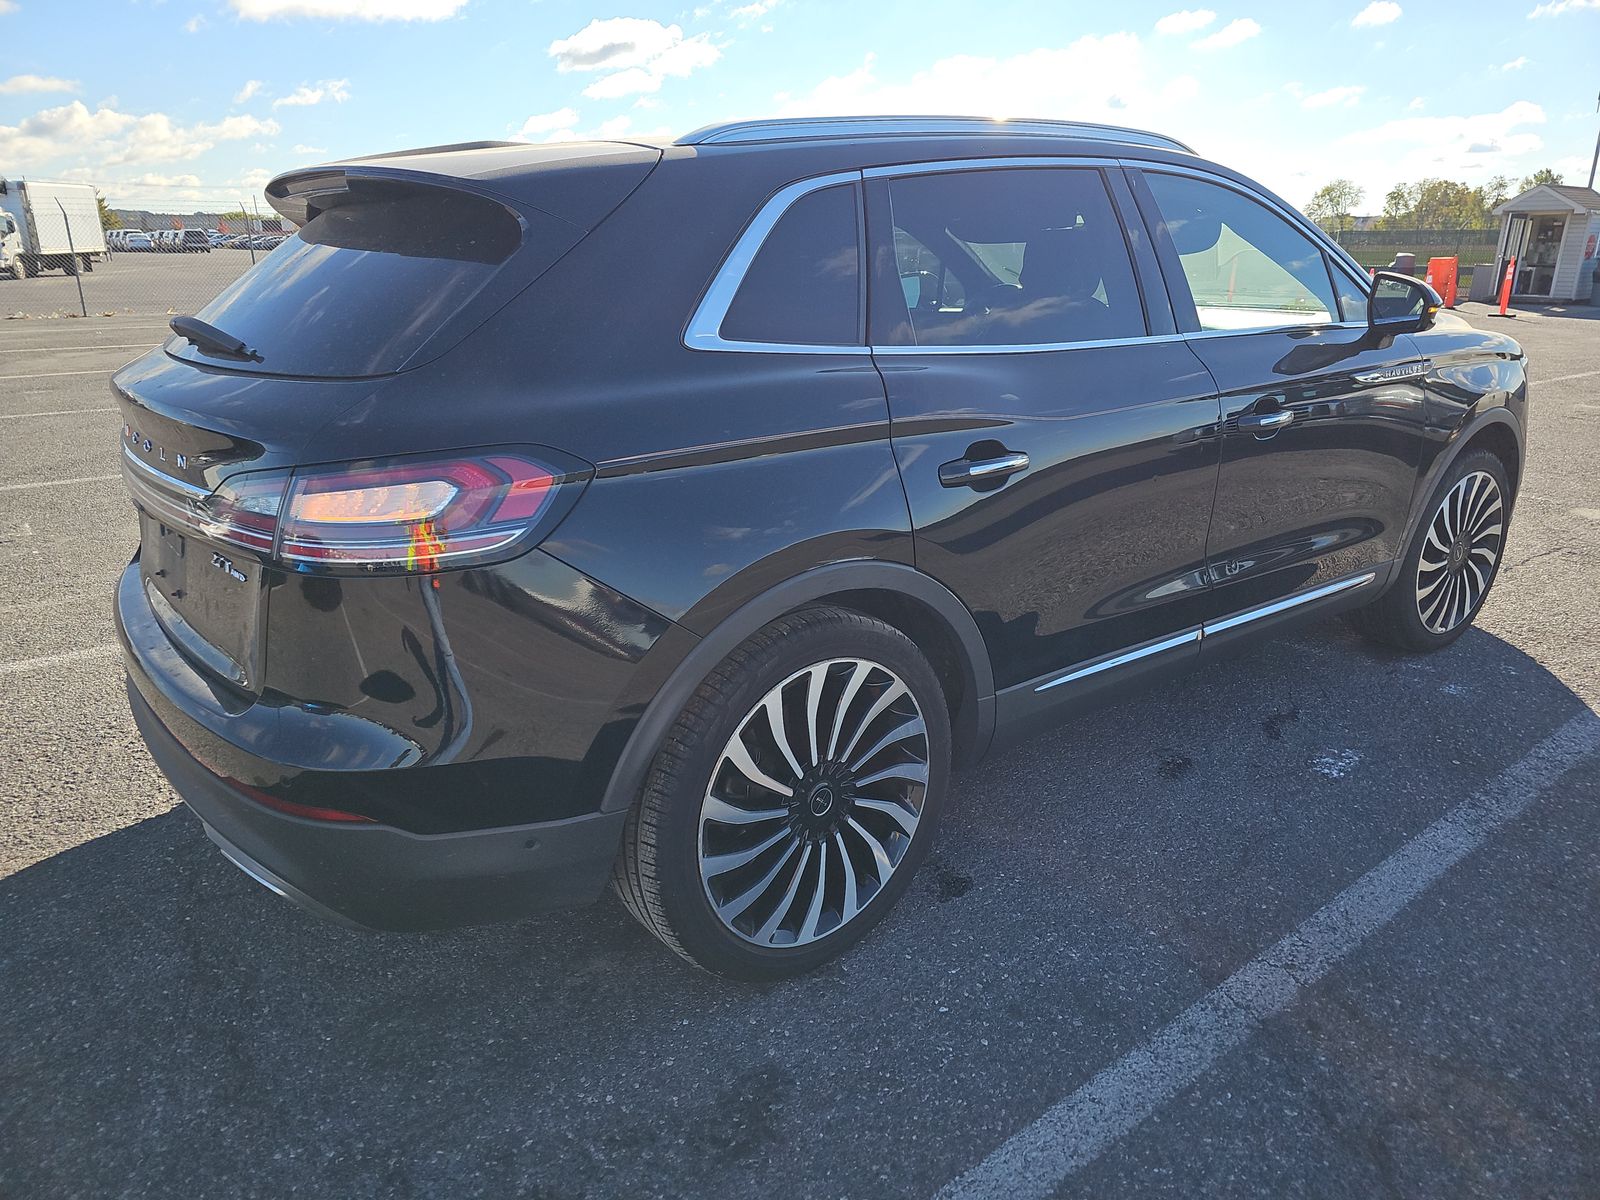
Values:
[(728, 488)]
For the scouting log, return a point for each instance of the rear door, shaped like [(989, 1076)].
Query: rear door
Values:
[(1323, 418), (1054, 434)]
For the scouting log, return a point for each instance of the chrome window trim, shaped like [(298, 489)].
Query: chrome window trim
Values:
[(704, 331), (805, 128), (704, 328), (1208, 629)]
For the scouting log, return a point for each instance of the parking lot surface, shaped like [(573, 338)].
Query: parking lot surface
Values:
[(129, 283), (1320, 920)]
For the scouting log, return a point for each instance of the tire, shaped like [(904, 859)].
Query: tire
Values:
[(70, 266), (1451, 564), (19, 269), (736, 893), (88, 263)]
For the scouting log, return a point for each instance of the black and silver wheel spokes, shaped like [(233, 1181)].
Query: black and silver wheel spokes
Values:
[(813, 802), (1460, 551)]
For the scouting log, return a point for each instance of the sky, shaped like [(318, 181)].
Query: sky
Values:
[(183, 104)]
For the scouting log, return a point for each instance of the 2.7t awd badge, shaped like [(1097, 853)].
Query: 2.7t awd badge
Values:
[(225, 564)]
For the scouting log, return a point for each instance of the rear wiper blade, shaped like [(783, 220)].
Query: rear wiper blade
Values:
[(208, 337)]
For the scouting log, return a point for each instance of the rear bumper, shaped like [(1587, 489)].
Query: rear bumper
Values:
[(215, 748), (380, 877)]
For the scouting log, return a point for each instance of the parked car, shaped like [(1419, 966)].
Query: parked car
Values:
[(136, 239), (193, 241), (781, 470)]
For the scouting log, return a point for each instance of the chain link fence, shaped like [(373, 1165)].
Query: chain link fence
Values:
[(1377, 247), (155, 265)]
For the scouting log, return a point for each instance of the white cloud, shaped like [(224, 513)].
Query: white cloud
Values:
[(1516, 64), (1348, 95), (349, 10), (1417, 104), (1379, 12), (1471, 146), (1556, 7), (251, 87), (1093, 78), (633, 54), (550, 122), (337, 90), (615, 129), (105, 137), (1230, 34), (8, 6), (17, 85), (194, 24), (1185, 21), (310, 149), (746, 14)]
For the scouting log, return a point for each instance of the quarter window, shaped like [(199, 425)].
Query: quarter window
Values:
[(804, 284), (1012, 257), (1246, 267)]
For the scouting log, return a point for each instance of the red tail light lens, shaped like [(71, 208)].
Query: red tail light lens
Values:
[(414, 515), (392, 515)]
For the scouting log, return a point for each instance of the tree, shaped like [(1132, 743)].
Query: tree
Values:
[(1442, 204), (1541, 176), (1333, 203), (108, 219)]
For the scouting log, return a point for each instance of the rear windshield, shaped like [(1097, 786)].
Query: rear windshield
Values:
[(364, 284)]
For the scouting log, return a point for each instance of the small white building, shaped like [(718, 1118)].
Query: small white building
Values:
[(1552, 230)]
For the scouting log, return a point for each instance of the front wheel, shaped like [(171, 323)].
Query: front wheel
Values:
[(792, 801), (1452, 561)]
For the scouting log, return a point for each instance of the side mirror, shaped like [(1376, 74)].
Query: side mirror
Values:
[(1402, 303)]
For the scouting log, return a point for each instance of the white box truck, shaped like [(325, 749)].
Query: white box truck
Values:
[(41, 214)]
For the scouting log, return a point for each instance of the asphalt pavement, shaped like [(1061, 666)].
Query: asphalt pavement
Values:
[(1320, 921)]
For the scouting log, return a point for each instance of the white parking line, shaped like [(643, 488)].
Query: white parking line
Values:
[(23, 487), (74, 349), (1564, 378), (1073, 1133), (59, 374), (54, 412), (56, 660)]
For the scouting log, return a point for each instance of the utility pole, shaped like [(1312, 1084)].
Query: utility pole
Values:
[(1595, 161)]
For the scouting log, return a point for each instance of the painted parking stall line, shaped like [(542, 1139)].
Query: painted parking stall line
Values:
[(1074, 1132), (60, 374), (77, 349), (54, 412), (44, 483), (57, 660)]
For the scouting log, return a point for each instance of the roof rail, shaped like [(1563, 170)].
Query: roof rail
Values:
[(804, 128)]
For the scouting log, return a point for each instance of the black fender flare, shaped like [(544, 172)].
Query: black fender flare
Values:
[(856, 575)]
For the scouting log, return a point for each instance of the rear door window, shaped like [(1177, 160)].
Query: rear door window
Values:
[(364, 285), (1013, 257), (804, 285)]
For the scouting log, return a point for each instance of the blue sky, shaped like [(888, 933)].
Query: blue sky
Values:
[(187, 103)]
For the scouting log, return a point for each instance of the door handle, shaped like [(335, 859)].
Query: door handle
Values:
[(967, 472), (1267, 423)]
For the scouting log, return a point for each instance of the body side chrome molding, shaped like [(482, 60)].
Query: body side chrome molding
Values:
[(1209, 629)]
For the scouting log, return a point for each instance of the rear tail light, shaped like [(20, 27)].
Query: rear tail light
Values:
[(392, 515)]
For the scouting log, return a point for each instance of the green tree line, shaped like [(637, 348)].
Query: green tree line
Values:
[(1426, 204)]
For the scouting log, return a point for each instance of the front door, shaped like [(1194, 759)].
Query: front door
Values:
[(1056, 437), (1322, 418)]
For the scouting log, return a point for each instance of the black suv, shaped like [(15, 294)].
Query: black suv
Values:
[(539, 515)]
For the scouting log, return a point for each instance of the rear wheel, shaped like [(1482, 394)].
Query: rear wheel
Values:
[(789, 806), (1452, 561), (19, 269)]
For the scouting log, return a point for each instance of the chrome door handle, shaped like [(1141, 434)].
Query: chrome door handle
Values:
[(1269, 422), (966, 472)]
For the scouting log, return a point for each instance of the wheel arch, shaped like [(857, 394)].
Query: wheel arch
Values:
[(900, 595), (1494, 429)]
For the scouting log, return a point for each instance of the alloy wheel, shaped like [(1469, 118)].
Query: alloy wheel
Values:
[(1460, 552), (813, 802)]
